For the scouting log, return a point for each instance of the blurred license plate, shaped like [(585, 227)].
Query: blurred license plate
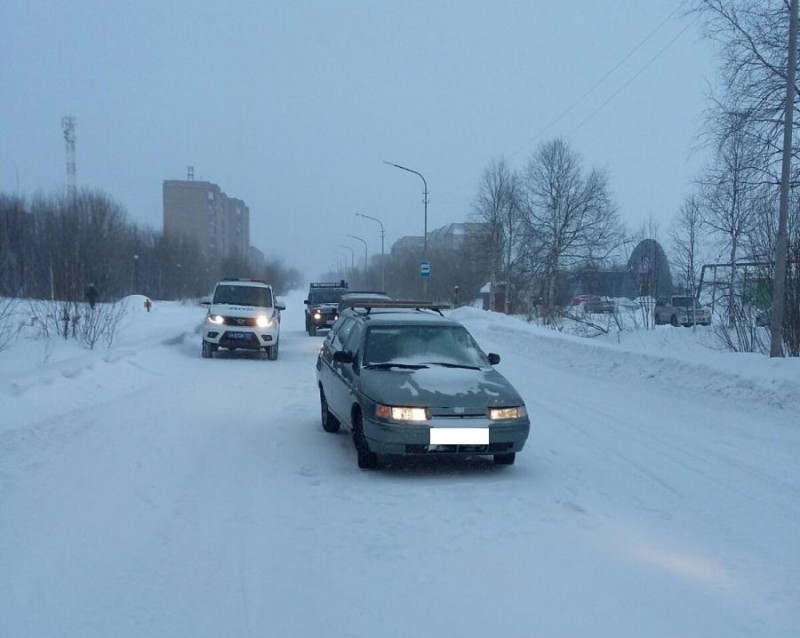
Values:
[(239, 336), (459, 436)]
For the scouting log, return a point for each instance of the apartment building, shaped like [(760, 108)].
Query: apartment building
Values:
[(202, 212)]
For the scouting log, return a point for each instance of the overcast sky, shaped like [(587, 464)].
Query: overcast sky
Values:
[(294, 106)]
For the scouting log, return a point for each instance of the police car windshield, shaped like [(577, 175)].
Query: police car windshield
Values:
[(243, 296)]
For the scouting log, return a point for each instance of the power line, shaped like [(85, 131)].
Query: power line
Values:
[(630, 81), (591, 89)]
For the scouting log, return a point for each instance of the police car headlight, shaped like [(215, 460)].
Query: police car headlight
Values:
[(217, 320), (262, 321)]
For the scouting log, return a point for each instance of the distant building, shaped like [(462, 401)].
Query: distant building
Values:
[(453, 236), (256, 257), (447, 237), (408, 245), (202, 212)]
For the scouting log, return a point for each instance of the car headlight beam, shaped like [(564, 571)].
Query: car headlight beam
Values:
[(401, 413), (502, 414), (217, 320)]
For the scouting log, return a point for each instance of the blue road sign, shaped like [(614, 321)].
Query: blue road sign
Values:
[(424, 269)]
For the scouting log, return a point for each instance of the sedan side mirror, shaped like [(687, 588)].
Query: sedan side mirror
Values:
[(342, 356), (494, 359)]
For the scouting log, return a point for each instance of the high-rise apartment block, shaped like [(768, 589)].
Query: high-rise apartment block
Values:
[(202, 212)]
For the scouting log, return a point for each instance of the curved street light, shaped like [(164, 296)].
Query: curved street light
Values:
[(383, 258), (365, 249), (424, 201), (352, 256), (340, 262)]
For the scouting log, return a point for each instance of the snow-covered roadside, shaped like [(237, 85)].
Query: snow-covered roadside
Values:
[(41, 378), (678, 360), (157, 493)]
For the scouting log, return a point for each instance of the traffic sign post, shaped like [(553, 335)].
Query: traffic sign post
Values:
[(425, 269)]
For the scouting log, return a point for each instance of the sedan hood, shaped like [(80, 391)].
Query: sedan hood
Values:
[(439, 386)]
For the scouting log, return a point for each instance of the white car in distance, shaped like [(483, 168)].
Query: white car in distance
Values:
[(242, 315)]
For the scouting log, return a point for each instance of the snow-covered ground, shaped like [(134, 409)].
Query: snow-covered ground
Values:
[(145, 491)]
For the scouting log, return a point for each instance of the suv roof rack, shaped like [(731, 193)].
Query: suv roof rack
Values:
[(328, 284), (369, 304), (255, 281)]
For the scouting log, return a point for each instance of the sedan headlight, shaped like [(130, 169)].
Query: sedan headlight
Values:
[(396, 413), (502, 414), (216, 319), (262, 321)]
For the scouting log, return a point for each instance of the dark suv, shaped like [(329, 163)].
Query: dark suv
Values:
[(406, 380), (322, 304)]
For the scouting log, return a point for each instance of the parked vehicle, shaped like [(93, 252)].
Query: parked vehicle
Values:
[(242, 315), (593, 304), (681, 310), (405, 380)]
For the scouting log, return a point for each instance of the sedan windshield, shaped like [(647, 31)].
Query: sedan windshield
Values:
[(443, 345)]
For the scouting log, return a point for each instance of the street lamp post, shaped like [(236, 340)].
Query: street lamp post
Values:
[(365, 250), (383, 258), (341, 264), (135, 273), (352, 256), (424, 201)]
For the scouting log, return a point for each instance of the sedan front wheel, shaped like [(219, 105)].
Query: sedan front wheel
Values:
[(505, 459), (329, 422)]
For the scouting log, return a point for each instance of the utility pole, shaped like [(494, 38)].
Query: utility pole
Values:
[(782, 242), (68, 126)]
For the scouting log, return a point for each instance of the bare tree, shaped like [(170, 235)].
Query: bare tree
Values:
[(753, 35), (497, 207), (758, 85), (9, 321), (729, 192), (568, 216), (686, 233)]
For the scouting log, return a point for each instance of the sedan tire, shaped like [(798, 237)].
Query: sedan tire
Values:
[(329, 422), (505, 459), (366, 460)]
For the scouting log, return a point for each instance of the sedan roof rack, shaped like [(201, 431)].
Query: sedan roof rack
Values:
[(388, 304)]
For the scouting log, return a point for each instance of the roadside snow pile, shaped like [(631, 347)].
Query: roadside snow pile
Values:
[(677, 359)]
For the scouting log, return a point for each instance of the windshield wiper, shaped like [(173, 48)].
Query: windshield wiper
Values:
[(390, 364), (448, 364)]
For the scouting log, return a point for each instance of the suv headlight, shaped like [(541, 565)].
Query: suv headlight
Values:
[(217, 320), (502, 414), (399, 413), (262, 321)]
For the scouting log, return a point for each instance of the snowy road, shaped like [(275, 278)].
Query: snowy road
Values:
[(153, 493)]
